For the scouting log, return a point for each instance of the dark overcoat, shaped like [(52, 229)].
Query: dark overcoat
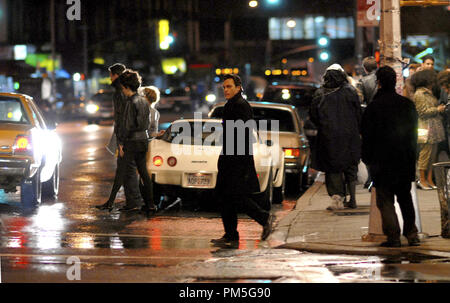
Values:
[(336, 112), (236, 173), (389, 138)]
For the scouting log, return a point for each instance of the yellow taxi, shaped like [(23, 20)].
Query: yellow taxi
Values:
[(30, 150)]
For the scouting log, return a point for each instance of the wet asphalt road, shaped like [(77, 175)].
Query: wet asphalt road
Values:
[(68, 240)]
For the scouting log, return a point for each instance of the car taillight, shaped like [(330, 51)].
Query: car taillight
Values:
[(22, 144), (172, 161), (157, 161), (291, 152)]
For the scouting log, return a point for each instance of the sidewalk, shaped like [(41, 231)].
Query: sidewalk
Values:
[(310, 227)]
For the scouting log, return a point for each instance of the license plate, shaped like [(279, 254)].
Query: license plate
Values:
[(199, 179)]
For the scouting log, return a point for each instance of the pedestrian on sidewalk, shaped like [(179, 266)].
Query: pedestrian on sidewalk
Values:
[(430, 122), (336, 111), (389, 147), (134, 136), (119, 105), (236, 177), (408, 90), (368, 87)]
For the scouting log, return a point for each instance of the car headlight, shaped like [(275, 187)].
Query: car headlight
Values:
[(210, 98), (92, 108)]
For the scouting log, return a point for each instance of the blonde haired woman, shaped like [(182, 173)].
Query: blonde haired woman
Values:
[(151, 93)]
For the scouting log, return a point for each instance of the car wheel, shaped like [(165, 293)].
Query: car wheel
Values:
[(278, 192), (50, 188), (30, 191), (296, 182)]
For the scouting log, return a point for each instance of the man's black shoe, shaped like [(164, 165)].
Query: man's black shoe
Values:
[(224, 240), (267, 229), (149, 211), (350, 204), (107, 206), (414, 241), (394, 243), (128, 208)]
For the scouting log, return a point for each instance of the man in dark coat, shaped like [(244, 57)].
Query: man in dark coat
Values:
[(236, 178), (389, 146), (134, 136), (336, 111), (119, 101)]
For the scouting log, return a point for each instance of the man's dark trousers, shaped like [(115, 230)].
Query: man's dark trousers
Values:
[(336, 182), (135, 157), (230, 205), (118, 179), (385, 202)]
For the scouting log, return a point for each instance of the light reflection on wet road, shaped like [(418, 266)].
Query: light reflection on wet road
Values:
[(173, 246)]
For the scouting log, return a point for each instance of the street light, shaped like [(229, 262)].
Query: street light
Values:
[(253, 3), (291, 23)]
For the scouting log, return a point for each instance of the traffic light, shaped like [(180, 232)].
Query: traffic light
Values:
[(324, 55), (323, 42)]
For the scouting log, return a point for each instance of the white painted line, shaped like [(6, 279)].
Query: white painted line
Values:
[(96, 257)]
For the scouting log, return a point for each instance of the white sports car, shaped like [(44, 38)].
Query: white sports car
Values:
[(183, 162)]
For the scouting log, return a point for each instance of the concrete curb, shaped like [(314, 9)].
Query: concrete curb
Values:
[(284, 233), (280, 236)]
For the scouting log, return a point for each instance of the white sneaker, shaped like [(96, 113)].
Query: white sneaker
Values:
[(336, 203)]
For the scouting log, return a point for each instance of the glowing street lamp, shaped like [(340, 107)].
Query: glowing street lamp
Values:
[(291, 23), (253, 3)]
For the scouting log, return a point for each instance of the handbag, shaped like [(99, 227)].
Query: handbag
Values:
[(422, 136)]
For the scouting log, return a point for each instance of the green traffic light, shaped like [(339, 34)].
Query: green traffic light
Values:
[(323, 41)]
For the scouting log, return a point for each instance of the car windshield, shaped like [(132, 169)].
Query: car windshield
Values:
[(194, 133), (12, 111), (260, 114)]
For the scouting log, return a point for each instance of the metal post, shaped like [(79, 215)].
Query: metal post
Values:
[(85, 60), (53, 42), (390, 39)]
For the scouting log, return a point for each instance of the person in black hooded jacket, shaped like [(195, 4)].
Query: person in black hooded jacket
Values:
[(336, 112)]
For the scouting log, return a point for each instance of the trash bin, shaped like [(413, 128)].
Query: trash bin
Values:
[(442, 174)]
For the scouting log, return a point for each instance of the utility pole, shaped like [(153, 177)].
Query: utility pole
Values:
[(53, 42), (390, 39), (84, 28)]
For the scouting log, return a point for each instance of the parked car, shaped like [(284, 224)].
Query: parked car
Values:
[(30, 150), (183, 162), (100, 107), (290, 136), (298, 95), (176, 99)]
